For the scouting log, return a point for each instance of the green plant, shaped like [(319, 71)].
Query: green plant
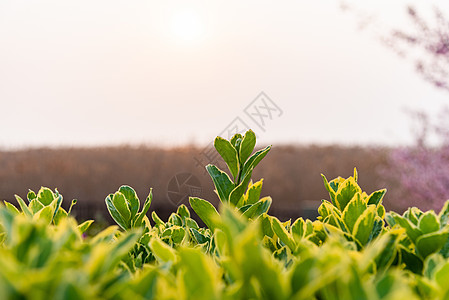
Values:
[(46, 205), (354, 250)]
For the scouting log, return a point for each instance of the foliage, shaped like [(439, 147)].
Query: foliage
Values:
[(354, 250)]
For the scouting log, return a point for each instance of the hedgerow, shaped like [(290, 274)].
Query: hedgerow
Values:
[(354, 250)]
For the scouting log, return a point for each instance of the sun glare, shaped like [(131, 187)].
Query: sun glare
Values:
[(187, 26)]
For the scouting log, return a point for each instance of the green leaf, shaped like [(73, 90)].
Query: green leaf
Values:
[(259, 208), (431, 242), (412, 261), (200, 274), (238, 192), (176, 233), (23, 206), (174, 219), (377, 228), (146, 286), (345, 192), (442, 276), (282, 233), (444, 214), (131, 199), (324, 209), (265, 221), (206, 211), (413, 214), (222, 182), (68, 290), (191, 223), (432, 263), (85, 225), (157, 220), (146, 207), (381, 211), (254, 160), (35, 206), (244, 208), (45, 196), (11, 208), (376, 197), (183, 211), (198, 236), (57, 205), (31, 195), (302, 279), (428, 222), (163, 252), (385, 248), (413, 232), (364, 225), (115, 213), (247, 146), (109, 258), (229, 154), (253, 193), (236, 140), (220, 241), (353, 211), (298, 228), (329, 189), (45, 214), (61, 214), (120, 203)]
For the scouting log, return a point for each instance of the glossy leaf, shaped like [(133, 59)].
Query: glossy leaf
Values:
[(237, 193), (115, 213), (131, 199), (85, 225), (205, 211), (364, 225), (146, 206), (354, 209), (229, 155), (346, 192), (254, 160), (162, 251), (252, 195), (431, 242), (45, 196), (23, 206), (282, 233), (222, 182), (247, 146), (376, 197), (428, 222)]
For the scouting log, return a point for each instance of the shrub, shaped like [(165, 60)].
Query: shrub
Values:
[(354, 250)]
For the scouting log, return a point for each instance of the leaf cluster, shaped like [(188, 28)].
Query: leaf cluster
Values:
[(353, 250)]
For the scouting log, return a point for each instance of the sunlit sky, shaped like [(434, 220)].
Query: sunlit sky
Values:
[(176, 72)]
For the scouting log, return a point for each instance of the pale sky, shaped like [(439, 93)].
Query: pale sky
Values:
[(173, 72)]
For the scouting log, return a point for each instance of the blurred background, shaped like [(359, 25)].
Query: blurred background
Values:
[(96, 94)]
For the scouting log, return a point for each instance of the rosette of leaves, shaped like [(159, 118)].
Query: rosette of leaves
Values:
[(46, 205), (124, 205), (426, 233), (351, 211)]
